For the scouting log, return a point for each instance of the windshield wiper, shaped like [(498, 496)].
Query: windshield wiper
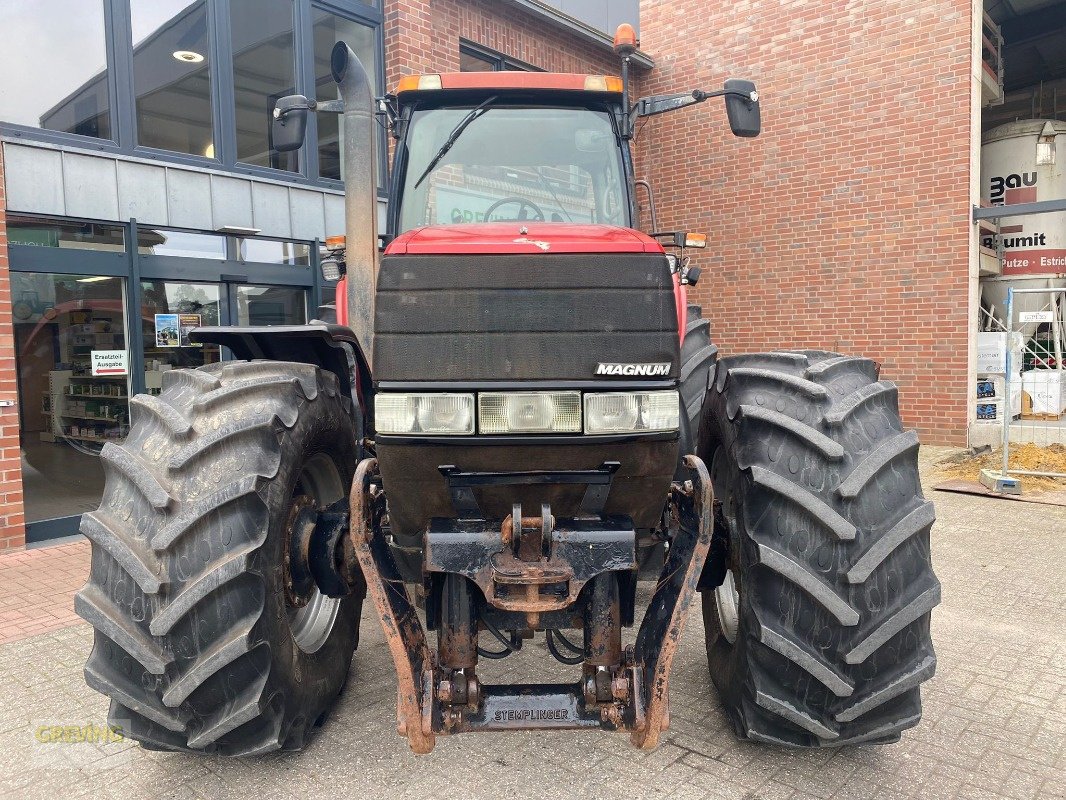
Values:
[(457, 131)]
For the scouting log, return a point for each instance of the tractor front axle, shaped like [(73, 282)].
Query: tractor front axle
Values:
[(538, 573)]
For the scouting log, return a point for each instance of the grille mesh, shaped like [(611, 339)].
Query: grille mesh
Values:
[(521, 317)]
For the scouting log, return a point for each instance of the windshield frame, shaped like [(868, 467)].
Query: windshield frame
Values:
[(467, 100)]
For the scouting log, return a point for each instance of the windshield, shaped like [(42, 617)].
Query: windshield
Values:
[(512, 162)]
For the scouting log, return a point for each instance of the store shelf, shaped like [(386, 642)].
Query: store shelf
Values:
[(98, 377), (94, 419), (88, 438)]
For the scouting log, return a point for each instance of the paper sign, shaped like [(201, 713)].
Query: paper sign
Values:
[(186, 322), (1036, 316), (109, 362), (167, 331)]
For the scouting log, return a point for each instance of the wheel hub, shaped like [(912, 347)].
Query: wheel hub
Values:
[(299, 528)]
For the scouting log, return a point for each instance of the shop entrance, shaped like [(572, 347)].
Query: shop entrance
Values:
[(97, 320)]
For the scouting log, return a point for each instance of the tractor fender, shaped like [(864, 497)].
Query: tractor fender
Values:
[(331, 347)]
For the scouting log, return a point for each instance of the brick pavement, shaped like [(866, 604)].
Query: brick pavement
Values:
[(37, 588), (994, 723)]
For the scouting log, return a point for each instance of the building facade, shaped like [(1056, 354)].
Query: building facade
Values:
[(140, 194), (845, 225)]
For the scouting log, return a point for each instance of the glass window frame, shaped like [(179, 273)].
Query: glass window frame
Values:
[(133, 268), (500, 62), (119, 50), (114, 89)]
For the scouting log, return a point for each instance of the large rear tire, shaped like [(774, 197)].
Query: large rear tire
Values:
[(198, 641), (817, 627)]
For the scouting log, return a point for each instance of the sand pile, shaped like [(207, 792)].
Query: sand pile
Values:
[(968, 464)]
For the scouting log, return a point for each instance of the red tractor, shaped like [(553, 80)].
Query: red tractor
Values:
[(509, 418)]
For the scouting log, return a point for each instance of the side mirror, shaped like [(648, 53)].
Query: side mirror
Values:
[(742, 108), (289, 126)]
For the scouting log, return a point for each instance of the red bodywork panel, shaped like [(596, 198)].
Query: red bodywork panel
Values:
[(503, 238), (496, 238)]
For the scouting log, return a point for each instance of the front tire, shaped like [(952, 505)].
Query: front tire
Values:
[(817, 617), (698, 357), (199, 641)]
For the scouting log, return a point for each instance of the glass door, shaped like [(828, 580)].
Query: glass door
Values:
[(169, 310), (268, 305), (73, 383)]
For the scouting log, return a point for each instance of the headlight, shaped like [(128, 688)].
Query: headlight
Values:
[(332, 268), (446, 414), (530, 412), (625, 412)]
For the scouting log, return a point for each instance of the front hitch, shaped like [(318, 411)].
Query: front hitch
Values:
[(617, 690)]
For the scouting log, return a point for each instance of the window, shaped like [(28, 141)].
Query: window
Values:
[(163, 242), (54, 63), (172, 76), (475, 62), (70, 234), (514, 162), (264, 69), (197, 79), (473, 58), (328, 30), (273, 251), (271, 305)]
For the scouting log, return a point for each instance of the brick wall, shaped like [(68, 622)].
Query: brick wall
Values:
[(423, 36), (12, 518), (845, 226)]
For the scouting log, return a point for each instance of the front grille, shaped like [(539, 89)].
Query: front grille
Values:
[(521, 317)]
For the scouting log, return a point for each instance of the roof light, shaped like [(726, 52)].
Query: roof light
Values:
[(625, 40), (419, 83), (602, 83), (334, 242), (695, 240)]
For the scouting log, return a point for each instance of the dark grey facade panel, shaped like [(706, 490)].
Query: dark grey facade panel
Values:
[(603, 15)]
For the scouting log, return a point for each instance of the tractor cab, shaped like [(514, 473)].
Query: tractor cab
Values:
[(509, 147)]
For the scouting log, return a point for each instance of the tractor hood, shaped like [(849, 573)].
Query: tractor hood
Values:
[(521, 237)]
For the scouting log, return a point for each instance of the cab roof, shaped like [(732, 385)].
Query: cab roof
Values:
[(559, 81)]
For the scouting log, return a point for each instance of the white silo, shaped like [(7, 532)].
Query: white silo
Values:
[(1025, 162)]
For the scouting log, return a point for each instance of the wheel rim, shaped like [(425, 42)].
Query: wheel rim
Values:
[(726, 595), (312, 623), (727, 601)]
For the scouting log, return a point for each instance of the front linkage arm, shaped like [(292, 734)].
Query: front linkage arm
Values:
[(634, 699)]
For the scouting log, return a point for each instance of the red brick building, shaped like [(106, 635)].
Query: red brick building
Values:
[(845, 226)]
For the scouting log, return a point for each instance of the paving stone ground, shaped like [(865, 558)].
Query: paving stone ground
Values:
[(994, 723)]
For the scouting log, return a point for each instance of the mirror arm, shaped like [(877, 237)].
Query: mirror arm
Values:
[(751, 97), (661, 103)]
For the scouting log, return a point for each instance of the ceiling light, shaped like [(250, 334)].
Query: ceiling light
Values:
[(95, 278), (188, 56)]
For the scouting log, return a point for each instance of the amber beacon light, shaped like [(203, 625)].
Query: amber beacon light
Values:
[(625, 40)]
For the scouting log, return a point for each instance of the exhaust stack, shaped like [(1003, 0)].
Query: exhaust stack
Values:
[(360, 191)]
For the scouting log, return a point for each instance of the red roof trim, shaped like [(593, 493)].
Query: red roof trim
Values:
[(534, 238), (512, 80)]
